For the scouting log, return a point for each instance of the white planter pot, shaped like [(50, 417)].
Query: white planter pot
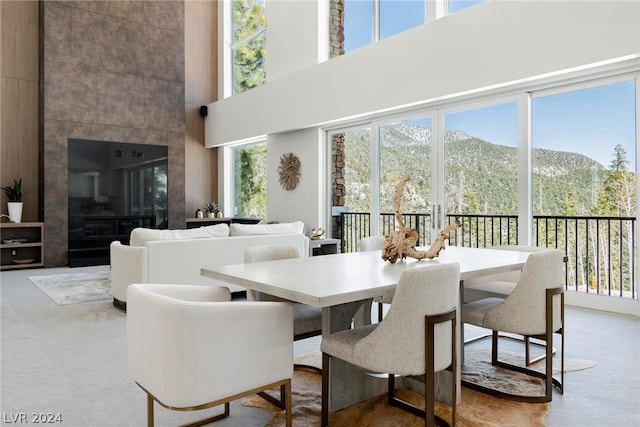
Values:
[(211, 214), (15, 211)]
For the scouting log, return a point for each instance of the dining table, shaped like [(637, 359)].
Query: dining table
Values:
[(342, 283)]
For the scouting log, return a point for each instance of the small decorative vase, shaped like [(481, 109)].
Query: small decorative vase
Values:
[(15, 211), (219, 214)]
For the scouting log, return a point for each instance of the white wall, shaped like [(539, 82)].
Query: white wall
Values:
[(492, 44), (306, 201), (297, 36)]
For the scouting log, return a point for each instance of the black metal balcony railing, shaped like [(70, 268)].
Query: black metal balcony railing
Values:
[(600, 250)]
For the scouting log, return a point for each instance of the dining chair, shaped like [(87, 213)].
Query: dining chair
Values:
[(535, 309), (417, 338), (191, 348), (376, 243), (307, 320), (501, 285)]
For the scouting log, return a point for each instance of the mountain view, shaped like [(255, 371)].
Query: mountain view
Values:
[(481, 177)]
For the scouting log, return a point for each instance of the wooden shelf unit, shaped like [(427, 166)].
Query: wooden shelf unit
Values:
[(33, 248)]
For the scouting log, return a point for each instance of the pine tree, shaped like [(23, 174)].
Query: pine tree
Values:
[(249, 57)]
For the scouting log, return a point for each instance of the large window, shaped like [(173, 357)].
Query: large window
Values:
[(368, 21), (481, 160), (250, 180), (553, 167), (584, 182), (248, 47)]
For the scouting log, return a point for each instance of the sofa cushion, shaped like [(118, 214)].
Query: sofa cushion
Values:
[(258, 229), (139, 236)]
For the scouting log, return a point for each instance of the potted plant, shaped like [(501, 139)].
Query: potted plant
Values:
[(14, 196), (211, 209)]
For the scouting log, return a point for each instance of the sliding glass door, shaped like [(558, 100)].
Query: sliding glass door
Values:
[(405, 149), (480, 181)]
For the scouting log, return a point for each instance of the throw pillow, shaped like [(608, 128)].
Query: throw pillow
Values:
[(256, 229)]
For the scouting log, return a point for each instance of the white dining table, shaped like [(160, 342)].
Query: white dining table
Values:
[(342, 283)]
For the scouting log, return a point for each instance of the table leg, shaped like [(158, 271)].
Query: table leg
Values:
[(348, 384)]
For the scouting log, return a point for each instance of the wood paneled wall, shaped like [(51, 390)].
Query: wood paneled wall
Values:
[(19, 102), (201, 88)]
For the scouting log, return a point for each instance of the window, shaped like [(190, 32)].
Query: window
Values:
[(249, 44), (397, 16), (584, 183), (481, 160), (368, 21), (457, 5), (249, 191), (554, 167)]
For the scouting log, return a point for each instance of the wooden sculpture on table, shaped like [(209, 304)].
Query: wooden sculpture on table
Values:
[(401, 243)]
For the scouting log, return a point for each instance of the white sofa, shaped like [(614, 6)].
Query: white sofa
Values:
[(176, 256)]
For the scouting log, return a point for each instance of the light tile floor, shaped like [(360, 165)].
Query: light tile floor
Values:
[(71, 360)]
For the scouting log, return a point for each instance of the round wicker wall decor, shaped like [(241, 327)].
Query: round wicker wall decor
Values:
[(289, 171)]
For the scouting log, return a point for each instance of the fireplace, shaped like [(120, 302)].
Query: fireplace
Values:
[(113, 187)]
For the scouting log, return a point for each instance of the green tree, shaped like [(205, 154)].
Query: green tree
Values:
[(470, 202), (249, 38), (251, 181), (619, 162)]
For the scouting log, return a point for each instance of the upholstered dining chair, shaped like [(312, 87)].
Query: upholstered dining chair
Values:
[(535, 309), (376, 243), (307, 320), (501, 285), (191, 348), (417, 338), (498, 285)]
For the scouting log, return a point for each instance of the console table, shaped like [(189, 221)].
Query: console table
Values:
[(201, 222), (324, 247)]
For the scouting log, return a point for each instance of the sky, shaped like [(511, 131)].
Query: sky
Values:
[(590, 121)]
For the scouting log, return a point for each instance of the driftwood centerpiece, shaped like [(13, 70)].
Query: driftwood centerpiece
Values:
[(401, 243)]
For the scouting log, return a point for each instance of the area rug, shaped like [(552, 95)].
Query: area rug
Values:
[(475, 410), (73, 288)]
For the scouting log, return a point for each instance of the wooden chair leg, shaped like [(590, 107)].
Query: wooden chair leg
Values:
[(150, 422), (288, 407)]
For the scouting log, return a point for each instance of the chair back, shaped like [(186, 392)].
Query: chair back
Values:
[(421, 291), (268, 253), (189, 345), (524, 310), (508, 276), (371, 243)]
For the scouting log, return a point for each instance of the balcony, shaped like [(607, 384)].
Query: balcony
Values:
[(600, 250)]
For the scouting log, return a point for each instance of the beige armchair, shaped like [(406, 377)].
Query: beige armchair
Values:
[(190, 348), (376, 243), (416, 338), (535, 309)]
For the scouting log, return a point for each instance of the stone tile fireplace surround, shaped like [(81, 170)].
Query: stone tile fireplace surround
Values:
[(109, 71)]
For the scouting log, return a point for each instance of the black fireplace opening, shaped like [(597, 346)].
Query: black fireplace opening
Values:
[(113, 187)]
